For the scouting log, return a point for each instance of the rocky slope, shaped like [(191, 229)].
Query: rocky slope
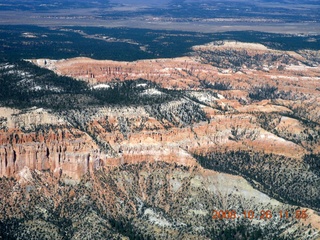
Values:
[(129, 155), (143, 201)]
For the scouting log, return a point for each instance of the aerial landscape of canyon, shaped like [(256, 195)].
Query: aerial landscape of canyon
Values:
[(206, 129)]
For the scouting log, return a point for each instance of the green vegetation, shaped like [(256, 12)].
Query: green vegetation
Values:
[(25, 85), (280, 177), (263, 92), (130, 200), (124, 44)]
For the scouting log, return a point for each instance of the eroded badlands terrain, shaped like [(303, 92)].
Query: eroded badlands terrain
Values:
[(148, 149)]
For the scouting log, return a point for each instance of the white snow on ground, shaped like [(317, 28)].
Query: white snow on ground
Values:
[(6, 66), (29, 35), (156, 218), (25, 175), (38, 88), (101, 86), (151, 91), (205, 97), (141, 85), (20, 73), (175, 184), (220, 96)]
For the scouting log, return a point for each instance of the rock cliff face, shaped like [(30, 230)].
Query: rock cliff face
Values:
[(240, 65), (56, 150), (127, 135), (230, 107), (145, 200), (42, 141)]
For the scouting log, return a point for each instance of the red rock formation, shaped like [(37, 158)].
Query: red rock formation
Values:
[(57, 150), (185, 72), (68, 151)]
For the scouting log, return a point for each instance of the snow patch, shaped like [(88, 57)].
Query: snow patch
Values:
[(205, 97), (99, 86), (36, 88), (25, 175), (6, 66), (28, 35), (45, 87), (141, 85), (156, 218), (151, 91)]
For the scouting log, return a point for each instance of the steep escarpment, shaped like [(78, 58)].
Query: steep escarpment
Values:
[(42, 141), (124, 152), (59, 150), (143, 200)]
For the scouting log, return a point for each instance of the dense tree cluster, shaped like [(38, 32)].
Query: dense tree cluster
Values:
[(280, 177), (263, 92), (25, 85), (218, 85), (235, 59)]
